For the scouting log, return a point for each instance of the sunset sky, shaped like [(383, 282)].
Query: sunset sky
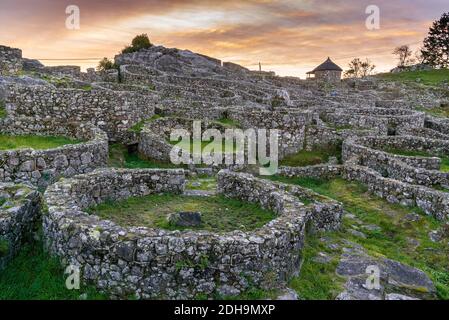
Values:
[(288, 36)]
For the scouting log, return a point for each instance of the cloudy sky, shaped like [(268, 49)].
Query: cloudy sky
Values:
[(286, 36)]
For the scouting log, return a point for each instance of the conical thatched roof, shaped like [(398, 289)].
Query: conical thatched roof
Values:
[(327, 65)]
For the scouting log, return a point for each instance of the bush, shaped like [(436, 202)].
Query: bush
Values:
[(106, 64), (139, 42)]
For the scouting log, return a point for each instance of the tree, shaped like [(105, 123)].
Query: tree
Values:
[(404, 54), (359, 68), (105, 64), (139, 42), (436, 45), (366, 68)]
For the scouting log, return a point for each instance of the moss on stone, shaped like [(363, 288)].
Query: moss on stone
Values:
[(3, 112)]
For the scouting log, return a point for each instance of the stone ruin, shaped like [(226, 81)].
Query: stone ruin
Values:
[(161, 89)]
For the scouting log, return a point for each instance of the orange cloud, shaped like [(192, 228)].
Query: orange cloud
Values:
[(287, 36)]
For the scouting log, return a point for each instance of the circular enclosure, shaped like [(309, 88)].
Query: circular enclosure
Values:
[(156, 263), (73, 148)]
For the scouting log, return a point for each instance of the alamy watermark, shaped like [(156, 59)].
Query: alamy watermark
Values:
[(235, 147), (72, 281), (373, 280), (73, 20), (373, 20)]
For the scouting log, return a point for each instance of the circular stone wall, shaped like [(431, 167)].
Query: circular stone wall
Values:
[(381, 119), (19, 211), (153, 263), (43, 167), (155, 135), (409, 180)]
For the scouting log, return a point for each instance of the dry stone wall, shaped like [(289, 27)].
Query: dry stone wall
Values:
[(10, 60), (43, 167), (155, 263), (112, 111), (19, 214)]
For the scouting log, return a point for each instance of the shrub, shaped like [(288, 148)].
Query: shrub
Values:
[(139, 42), (106, 64)]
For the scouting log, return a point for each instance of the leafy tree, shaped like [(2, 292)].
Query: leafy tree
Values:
[(105, 64), (359, 68), (139, 42), (436, 45), (404, 54)]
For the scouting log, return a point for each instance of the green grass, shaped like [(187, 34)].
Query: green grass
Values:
[(137, 128), (429, 77), (33, 275), (229, 123), (314, 157), (219, 214), (217, 145), (441, 111), (202, 183), (119, 157), (8, 142), (315, 281), (412, 153), (444, 164)]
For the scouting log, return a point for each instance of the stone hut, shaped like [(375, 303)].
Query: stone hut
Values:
[(327, 71)]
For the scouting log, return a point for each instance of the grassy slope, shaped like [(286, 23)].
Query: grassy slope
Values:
[(430, 77), (34, 275), (318, 281), (8, 142), (219, 214)]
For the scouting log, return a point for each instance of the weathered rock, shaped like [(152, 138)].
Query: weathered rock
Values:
[(185, 219)]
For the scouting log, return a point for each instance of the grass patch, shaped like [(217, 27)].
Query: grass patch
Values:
[(229, 123), (317, 281), (119, 157), (310, 158), (444, 164), (33, 275), (219, 214), (216, 145), (391, 241), (8, 142), (208, 183), (427, 77), (412, 153), (441, 111), (137, 128)]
